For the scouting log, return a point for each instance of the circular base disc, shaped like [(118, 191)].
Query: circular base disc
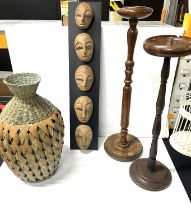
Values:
[(119, 153), (153, 181)]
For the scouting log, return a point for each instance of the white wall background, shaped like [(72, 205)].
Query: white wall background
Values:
[(42, 47)]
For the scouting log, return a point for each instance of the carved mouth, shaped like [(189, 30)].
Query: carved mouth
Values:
[(83, 120)]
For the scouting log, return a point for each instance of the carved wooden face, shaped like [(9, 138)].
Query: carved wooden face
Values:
[(83, 15), (84, 77), (84, 47), (83, 108), (84, 136)]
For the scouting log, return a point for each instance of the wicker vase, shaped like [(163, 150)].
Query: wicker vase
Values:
[(31, 130)]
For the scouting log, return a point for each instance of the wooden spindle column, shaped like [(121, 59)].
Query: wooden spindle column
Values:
[(148, 173), (127, 89), (124, 146), (159, 109)]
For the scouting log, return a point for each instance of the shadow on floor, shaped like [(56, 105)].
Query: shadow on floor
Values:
[(183, 166)]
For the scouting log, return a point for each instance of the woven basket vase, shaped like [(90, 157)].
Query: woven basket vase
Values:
[(31, 130)]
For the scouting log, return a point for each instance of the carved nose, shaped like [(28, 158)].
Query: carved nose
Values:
[(83, 142), (84, 50), (83, 114), (84, 82), (82, 20)]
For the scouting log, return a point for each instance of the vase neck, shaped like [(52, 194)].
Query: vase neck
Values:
[(23, 92), (23, 85)]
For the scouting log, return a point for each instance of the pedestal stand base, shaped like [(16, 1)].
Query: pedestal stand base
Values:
[(153, 181), (129, 153)]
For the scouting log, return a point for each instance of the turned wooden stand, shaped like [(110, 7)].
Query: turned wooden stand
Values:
[(123, 146), (149, 173)]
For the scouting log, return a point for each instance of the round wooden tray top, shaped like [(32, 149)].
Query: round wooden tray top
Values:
[(168, 46), (136, 12)]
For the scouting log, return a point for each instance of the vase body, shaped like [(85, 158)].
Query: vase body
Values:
[(31, 130)]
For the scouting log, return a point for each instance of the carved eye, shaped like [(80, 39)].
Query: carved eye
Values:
[(78, 107), (88, 14), (78, 46), (90, 78), (89, 107), (78, 15), (80, 78), (78, 136), (89, 45), (89, 135)]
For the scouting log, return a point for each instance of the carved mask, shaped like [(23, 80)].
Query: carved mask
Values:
[(84, 77), (84, 136), (84, 47), (83, 15), (83, 108)]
